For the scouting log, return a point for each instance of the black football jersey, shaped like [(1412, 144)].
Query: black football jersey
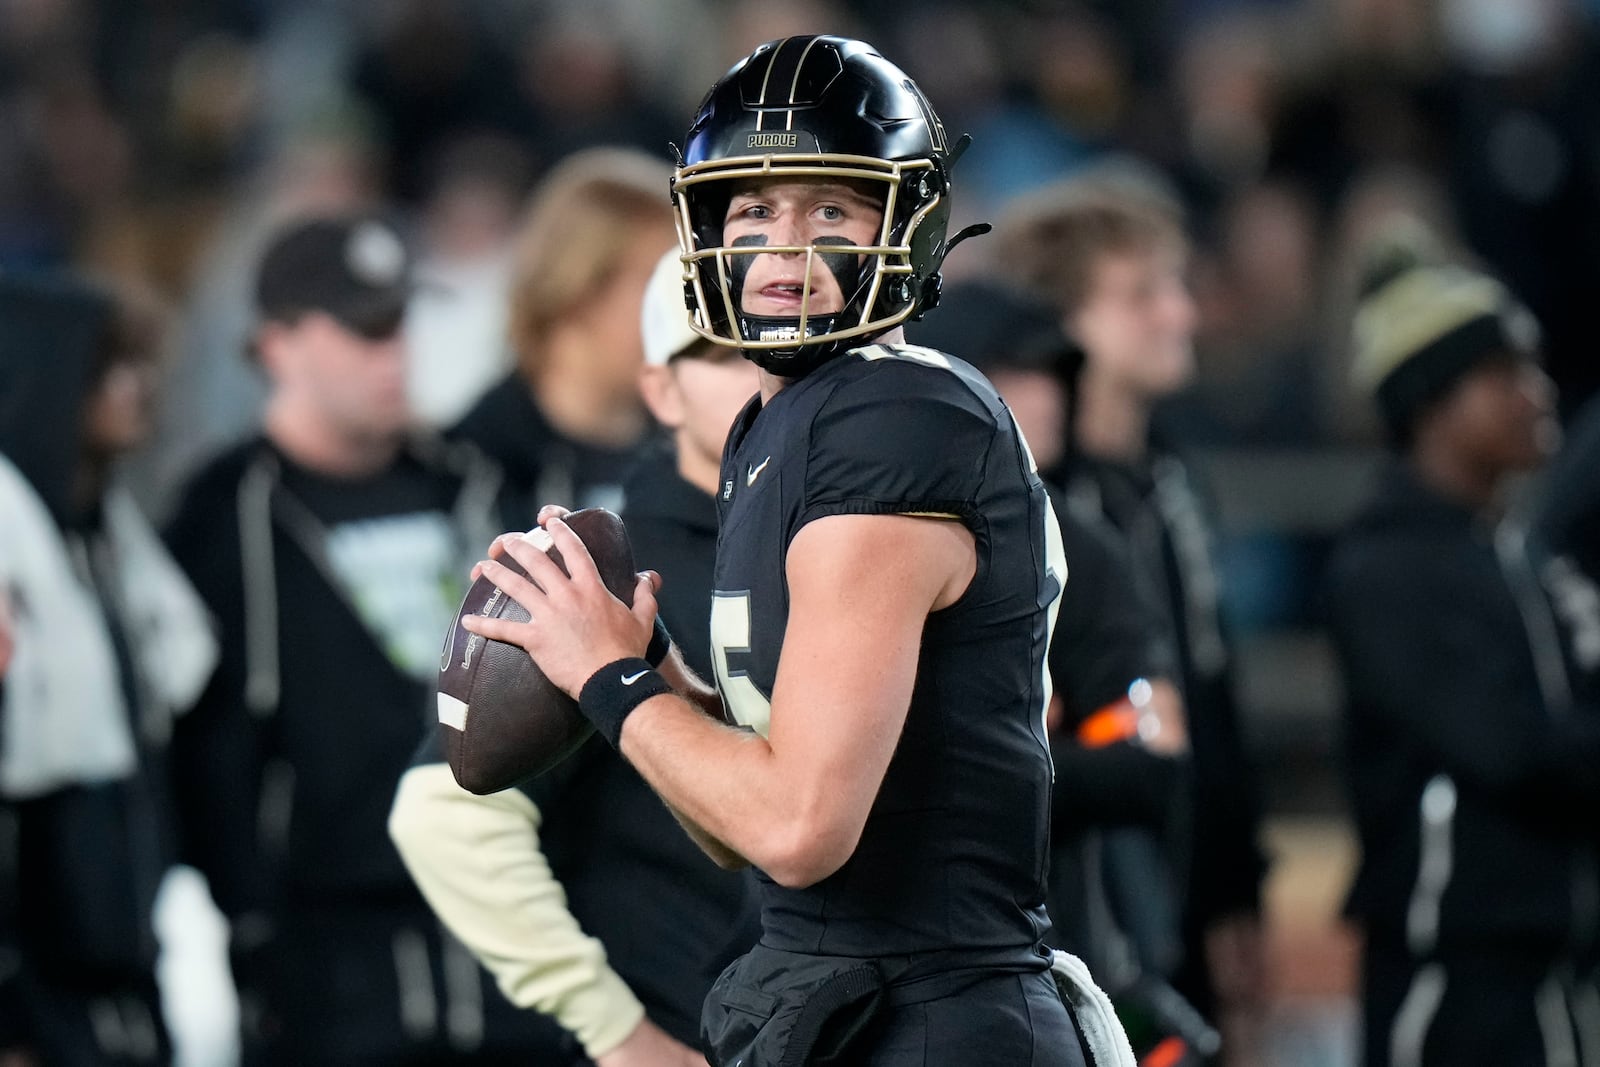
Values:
[(953, 853)]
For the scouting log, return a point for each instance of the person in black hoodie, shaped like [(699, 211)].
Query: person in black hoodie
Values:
[(1118, 739), (332, 550), (108, 643), (1474, 768), (1109, 253), (623, 961)]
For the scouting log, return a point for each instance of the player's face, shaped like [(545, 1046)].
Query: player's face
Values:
[(1501, 415), (354, 385), (1137, 323), (798, 211)]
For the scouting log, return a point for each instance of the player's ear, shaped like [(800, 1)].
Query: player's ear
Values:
[(658, 385)]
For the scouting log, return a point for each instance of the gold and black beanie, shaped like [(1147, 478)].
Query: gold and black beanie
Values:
[(1421, 324)]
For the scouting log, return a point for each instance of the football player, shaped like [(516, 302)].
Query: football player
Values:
[(887, 573)]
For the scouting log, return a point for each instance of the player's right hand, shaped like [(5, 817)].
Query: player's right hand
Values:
[(650, 1046)]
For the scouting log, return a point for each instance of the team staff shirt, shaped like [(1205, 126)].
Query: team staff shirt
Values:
[(953, 852)]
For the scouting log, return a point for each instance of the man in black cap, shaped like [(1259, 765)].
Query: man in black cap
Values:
[(332, 550), (1108, 250), (1118, 737), (1472, 756)]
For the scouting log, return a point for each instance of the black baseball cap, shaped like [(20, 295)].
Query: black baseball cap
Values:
[(356, 269)]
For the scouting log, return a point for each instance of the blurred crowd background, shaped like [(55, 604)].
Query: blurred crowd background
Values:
[(158, 142)]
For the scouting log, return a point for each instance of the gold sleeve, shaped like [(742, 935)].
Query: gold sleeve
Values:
[(477, 861)]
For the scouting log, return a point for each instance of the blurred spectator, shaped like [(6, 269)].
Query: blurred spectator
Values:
[(1569, 516), (431, 71), (68, 159), (564, 424), (1524, 162), (106, 642), (456, 322), (494, 867), (1259, 379), (749, 23), (332, 550), (1109, 253), (1228, 75), (1118, 737), (580, 88), (1363, 94), (964, 59), (214, 394), (1472, 766)]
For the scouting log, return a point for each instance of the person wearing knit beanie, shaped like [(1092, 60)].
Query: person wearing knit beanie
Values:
[(1470, 751), (1422, 324)]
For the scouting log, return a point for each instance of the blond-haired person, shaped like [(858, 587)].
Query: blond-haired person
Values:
[(1110, 252), (577, 889), (564, 424)]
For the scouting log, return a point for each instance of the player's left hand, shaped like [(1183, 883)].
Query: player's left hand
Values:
[(497, 547), (576, 625)]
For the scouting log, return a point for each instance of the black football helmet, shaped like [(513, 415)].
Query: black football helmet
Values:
[(818, 107)]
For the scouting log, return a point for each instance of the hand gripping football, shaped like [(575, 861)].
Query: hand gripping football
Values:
[(501, 720)]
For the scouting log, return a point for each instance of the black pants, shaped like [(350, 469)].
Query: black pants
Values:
[(1014, 1019), (1468, 1008)]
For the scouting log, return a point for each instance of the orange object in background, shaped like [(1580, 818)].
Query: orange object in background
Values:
[(1168, 1053), (1117, 721)]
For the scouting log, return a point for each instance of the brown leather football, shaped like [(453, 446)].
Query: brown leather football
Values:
[(500, 719)]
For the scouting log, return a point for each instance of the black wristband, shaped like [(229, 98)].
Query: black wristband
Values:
[(613, 691), (660, 644)]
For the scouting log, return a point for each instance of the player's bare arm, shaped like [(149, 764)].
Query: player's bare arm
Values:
[(795, 802), (701, 694)]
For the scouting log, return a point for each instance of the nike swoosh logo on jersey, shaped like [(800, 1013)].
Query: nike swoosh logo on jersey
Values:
[(753, 472), (629, 679)]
